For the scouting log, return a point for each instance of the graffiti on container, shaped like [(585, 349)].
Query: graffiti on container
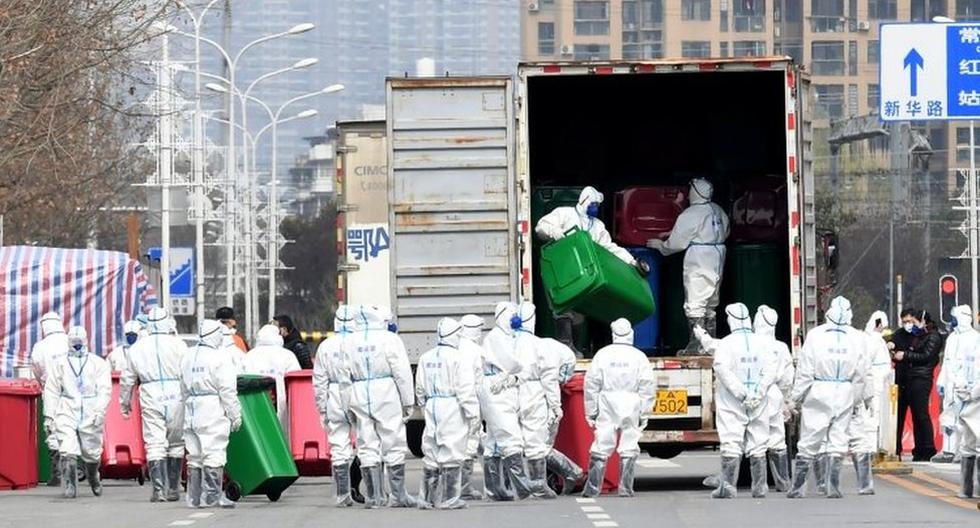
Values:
[(364, 244)]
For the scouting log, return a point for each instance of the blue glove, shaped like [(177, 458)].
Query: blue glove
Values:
[(942, 391)]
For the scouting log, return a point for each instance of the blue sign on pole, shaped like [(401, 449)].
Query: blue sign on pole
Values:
[(929, 72), (181, 269)]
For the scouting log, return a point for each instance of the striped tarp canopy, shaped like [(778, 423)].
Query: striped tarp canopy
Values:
[(99, 290)]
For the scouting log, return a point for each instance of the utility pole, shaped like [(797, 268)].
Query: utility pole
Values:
[(165, 103)]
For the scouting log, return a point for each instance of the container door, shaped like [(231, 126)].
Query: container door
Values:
[(808, 209), (453, 205)]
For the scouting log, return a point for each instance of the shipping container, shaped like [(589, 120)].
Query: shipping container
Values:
[(467, 154)]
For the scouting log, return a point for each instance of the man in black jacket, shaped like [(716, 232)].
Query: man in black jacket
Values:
[(916, 348), (293, 341)]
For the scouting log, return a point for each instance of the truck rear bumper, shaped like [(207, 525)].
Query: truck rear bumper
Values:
[(704, 437)]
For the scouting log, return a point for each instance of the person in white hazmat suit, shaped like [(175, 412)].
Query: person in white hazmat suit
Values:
[(504, 445), (966, 389), (619, 395), (830, 384), (233, 354), (562, 361), (269, 358), (540, 402), (76, 396), (701, 231), (961, 338), (585, 216), (382, 401), (863, 430), (209, 390), (154, 364), (471, 354), (746, 368), (118, 358), (52, 346), (445, 388), (764, 325), (331, 388)]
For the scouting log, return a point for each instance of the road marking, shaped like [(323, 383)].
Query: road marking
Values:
[(936, 481), (597, 516), (926, 492), (181, 523), (592, 509), (657, 463), (605, 524), (201, 515), (585, 501)]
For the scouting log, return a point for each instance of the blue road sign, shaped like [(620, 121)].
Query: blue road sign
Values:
[(929, 72), (181, 269)]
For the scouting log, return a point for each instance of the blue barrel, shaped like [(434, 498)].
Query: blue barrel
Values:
[(646, 333)]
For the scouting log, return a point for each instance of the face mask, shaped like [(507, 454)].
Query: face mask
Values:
[(592, 210), (131, 339), (953, 324), (393, 327), (908, 327), (77, 347), (917, 330), (515, 322)]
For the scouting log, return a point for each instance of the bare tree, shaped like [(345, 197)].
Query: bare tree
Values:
[(70, 80)]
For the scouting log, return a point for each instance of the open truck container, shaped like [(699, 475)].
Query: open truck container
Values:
[(465, 155)]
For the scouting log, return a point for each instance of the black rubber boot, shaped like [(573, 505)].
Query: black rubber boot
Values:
[(800, 471), (968, 467), (54, 458), (92, 474), (69, 473), (173, 478)]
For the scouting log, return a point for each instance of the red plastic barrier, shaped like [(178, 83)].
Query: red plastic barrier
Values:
[(575, 436), (642, 213), (935, 409), (759, 210), (307, 437), (123, 453), (18, 443)]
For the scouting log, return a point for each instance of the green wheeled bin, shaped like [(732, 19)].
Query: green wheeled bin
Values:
[(757, 274), (43, 457), (674, 333), (544, 200), (581, 275), (259, 460)]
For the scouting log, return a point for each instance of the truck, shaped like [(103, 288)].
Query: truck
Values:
[(465, 155)]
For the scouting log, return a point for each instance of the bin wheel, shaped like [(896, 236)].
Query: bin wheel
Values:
[(141, 479), (233, 491), (274, 497)]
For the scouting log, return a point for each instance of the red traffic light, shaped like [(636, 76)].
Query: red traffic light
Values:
[(948, 285)]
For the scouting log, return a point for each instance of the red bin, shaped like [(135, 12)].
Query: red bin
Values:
[(123, 453), (307, 437), (642, 213), (18, 442), (575, 436)]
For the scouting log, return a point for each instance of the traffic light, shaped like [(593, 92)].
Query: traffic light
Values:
[(948, 296)]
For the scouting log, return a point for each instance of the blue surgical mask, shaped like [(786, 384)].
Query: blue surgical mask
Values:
[(516, 322), (131, 339), (592, 210), (953, 324), (917, 330), (78, 347), (393, 327)]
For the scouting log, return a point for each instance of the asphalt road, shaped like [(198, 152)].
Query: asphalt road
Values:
[(669, 495)]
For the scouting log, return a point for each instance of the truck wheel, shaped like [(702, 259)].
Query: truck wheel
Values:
[(413, 434), (665, 453), (274, 497)]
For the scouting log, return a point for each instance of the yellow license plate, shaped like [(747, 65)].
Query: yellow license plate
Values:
[(670, 402)]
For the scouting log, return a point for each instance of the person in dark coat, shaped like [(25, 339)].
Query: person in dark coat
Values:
[(915, 349), (293, 341)]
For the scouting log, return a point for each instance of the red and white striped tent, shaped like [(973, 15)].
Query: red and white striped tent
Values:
[(99, 290)]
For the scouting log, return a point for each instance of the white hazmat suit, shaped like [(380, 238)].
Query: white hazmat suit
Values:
[(619, 396), (268, 358), (472, 355), (332, 392), (445, 388), (562, 360), (830, 384), (52, 346), (764, 325), (745, 368), (76, 396), (502, 405), (561, 220), (382, 400), (962, 380), (865, 421), (961, 338), (701, 231), (154, 364), (209, 389), (540, 400)]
